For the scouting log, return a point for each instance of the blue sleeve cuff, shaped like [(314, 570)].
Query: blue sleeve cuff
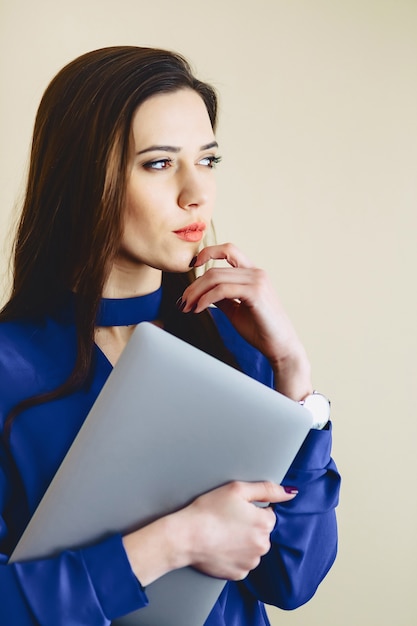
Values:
[(315, 474), (315, 450), (118, 590)]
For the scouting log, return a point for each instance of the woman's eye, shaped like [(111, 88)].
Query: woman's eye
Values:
[(210, 161), (159, 164)]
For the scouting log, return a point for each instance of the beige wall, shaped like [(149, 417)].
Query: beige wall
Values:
[(318, 184)]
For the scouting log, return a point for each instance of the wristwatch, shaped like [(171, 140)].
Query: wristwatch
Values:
[(319, 407)]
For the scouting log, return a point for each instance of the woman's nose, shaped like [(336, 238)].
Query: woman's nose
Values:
[(193, 191)]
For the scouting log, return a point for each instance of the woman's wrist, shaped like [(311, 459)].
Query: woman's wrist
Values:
[(158, 548), (292, 376)]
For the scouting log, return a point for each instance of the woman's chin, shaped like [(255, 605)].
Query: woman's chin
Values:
[(180, 266)]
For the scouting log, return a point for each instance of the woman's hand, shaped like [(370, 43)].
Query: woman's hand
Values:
[(228, 533), (222, 533), (245, 294)]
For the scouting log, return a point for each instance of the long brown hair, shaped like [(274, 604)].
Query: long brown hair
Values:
[(71, 223)]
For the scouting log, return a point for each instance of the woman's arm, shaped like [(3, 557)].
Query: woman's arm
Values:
[(304, 540), (221, 533), (258, 332), (92, 585)]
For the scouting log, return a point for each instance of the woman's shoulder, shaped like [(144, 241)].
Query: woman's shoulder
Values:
[(30, 353), (26, 332), (27, 337), (17, 338)]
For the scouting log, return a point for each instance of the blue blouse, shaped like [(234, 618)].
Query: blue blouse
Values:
[(94, 585)]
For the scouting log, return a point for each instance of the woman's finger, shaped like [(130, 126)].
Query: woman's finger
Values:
[(227, 252), (265, 491), (222, 283), (200, 299)]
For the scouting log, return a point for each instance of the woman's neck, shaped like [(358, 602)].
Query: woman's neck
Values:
[(128, 298), (125, 282)]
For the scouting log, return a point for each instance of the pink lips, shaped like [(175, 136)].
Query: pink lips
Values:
[(192, 232)]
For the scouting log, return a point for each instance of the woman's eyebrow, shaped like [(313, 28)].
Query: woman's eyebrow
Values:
[(208, 146), (159, 149)]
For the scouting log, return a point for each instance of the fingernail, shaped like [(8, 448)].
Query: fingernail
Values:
[(291, 490), (192, 262), (193, 308), (180, 304)]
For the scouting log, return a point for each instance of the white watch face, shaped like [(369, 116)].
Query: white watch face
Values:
[(319, 407)]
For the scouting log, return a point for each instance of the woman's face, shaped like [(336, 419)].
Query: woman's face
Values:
[(170, 182)]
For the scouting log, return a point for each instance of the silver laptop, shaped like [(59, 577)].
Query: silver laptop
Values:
[(170, 424)]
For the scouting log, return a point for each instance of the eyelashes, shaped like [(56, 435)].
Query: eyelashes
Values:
[(159, 164), (163, 164), (211, 161)]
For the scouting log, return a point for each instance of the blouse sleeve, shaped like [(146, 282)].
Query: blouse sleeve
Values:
[(304, 540), (88, 586)]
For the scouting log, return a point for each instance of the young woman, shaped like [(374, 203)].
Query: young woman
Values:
[(119, 197)]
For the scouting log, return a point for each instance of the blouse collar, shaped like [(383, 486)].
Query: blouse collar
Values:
[(129, 311)]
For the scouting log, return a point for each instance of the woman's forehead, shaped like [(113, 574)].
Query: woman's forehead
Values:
[(171, 119)]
